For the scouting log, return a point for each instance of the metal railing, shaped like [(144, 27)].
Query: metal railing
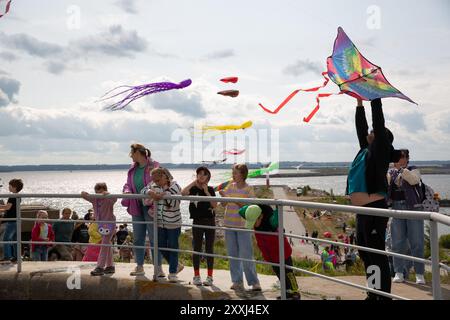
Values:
[(434, 219)]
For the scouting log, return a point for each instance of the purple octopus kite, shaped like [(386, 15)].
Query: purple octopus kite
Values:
[(136, 92)]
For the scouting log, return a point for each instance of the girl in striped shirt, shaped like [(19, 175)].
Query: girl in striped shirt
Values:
[(239, 244), (168, 217)]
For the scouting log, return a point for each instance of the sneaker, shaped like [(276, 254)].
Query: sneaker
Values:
[(160, 273), (293, 296), (237, 286), (180, 267), (98, 272), (371, 297), (420, 279), (173, 277), (138, 271), (208, 282), (197, 281), (110, 270), (256, 287), (398, 277)]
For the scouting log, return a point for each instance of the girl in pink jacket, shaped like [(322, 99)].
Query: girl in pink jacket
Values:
[(103, 211)]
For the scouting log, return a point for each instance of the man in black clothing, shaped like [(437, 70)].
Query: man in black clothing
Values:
[(121, 235)]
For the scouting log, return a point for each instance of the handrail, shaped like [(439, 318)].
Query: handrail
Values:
[(398, 255), (404, 214)]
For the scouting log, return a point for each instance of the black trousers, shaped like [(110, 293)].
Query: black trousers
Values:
[(197, 241), (371, 232), (289, 280)]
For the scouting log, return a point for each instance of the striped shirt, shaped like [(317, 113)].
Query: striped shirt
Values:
[(169, 210), (232, 218)]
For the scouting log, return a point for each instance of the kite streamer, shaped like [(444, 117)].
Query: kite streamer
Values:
[(234, 152), (230, 79), (293, 95), (136, 92), (229, 93), (272, 168), (8, 5), (222, 128)]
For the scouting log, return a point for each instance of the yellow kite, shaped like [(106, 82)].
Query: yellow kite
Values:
[(242, 126)]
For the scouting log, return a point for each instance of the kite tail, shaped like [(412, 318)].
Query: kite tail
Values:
[(134, 93), (281, 105), (320, 95), (8, 4), (294, 93)]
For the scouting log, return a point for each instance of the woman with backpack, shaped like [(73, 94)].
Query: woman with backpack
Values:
[(367, 187), (405, 194)]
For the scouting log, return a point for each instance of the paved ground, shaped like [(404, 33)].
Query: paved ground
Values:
[(48, 280)]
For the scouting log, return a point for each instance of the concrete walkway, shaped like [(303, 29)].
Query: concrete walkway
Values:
[(293, 224), (70, 280)]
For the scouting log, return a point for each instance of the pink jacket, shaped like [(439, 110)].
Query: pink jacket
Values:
[(133, 206)]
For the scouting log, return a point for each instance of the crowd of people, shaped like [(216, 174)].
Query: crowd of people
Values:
[(52, 241), (370, 184)]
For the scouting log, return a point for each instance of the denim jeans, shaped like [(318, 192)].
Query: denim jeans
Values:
[(10, 250), (168, 238), (407, 233), (140, 231), (240, 245), (39, 253)]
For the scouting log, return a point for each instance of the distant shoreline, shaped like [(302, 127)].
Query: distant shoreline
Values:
[(313, 169)]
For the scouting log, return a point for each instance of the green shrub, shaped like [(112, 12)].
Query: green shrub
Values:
[(352, 223), (444, 241)]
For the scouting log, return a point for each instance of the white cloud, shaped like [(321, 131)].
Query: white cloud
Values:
[(105, 56), (8, 89), (301, 67), (129, 6), (113, 42), (221, 54)]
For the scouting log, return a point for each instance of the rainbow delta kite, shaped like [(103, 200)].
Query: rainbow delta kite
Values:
[(353, 73)]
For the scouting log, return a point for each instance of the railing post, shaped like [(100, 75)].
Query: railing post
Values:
[(281, 252), (19, 236), (155, 241), (436, 274)]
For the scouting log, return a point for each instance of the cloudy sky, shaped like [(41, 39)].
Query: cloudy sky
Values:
[(58, 57)]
